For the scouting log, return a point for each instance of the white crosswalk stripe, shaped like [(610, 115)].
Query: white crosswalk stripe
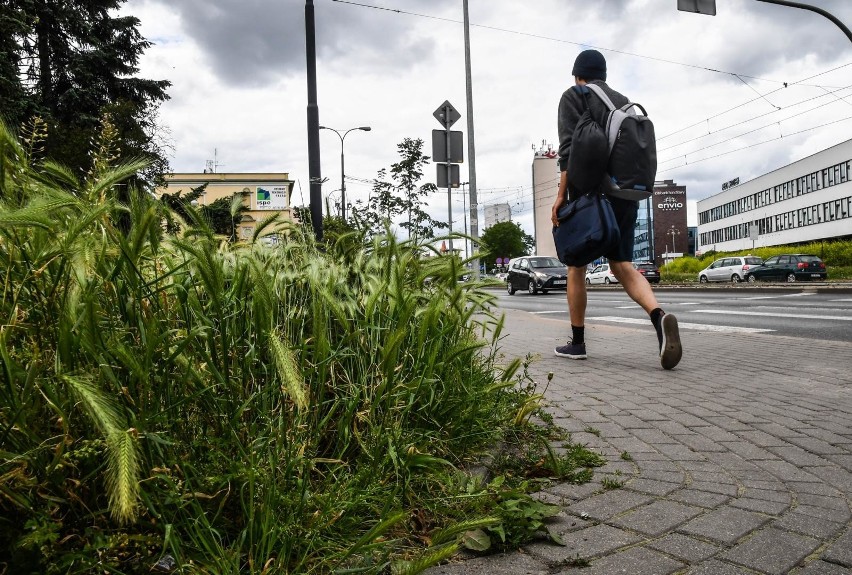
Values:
[(683, 325)]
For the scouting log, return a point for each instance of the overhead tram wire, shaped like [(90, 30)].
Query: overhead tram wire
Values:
[(552, 39), (755, 145), (677, 156), (653, 58), (798, 83), (766, 114)]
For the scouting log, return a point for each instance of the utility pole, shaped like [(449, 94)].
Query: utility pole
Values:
[(471, 148), (314, 171)]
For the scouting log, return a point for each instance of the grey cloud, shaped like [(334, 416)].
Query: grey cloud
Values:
[(254, 42)]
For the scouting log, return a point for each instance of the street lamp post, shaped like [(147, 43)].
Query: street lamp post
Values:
[(342, 173), (674, 231)]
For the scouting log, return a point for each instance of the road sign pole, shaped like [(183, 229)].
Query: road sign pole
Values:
[(449, 175)]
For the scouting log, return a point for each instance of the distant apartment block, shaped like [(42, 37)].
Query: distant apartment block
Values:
[(497, 213)]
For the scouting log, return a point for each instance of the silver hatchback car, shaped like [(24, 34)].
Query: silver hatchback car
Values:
[(733, 269)]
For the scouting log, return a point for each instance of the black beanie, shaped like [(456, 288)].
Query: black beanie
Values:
[(590, 65)]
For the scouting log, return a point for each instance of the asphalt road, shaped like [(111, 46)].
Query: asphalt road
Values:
[(804, 312)]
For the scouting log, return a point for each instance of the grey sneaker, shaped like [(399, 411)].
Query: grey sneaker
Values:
[(571, 350), (670, 350)]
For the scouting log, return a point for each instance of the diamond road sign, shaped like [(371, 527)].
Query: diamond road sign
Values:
[(446, 114)]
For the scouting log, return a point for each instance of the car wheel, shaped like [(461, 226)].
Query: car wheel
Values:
[(510, 288), (531, 288), (588, 282), (606, 281), (703, 279), (791, 278), (750, 279), (735, 279)]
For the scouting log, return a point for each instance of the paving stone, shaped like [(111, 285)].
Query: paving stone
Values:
[(609, 504), (786, 471), (798, 456), (809, 525), (679, 452), (572, 491), (684, 548), (840, 551), (822, 501), (499, 564), (653, 436), (726, 524), (723, 488), (772, 551), (658, 517), (631, 445), (674, 428), (727, 423), (668, 476), (716, 434), (824, 568), (652, 487), (838, 514), (761, 438), (836, 477), (699, 498), (700, 444), (780, 495), (635, 561), (760, 505), (714, 567), (779, 430), (564, 523), (748, 450), (817, 445), (586, 544)]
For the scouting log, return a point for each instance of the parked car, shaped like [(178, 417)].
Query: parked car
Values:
[(789, 267), (733, 269), (601, 275), (649, 270), (536, 274)]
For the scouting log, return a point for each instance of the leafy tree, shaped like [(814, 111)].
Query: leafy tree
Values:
[(178, 204), (400, 197), (73, 62), (505, 239)]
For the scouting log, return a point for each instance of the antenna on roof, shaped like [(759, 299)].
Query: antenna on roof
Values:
[(213, 165)]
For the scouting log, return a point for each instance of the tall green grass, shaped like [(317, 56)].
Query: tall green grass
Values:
[(233, 407)]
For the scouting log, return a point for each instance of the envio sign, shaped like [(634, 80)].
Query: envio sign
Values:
[(670, 204)]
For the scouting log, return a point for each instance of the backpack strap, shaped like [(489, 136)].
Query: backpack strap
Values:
[(602, 95)]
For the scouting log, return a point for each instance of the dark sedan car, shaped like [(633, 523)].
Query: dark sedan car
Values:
[(649, 270), (536, 274), (790, 268)]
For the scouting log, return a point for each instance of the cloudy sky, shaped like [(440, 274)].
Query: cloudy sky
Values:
[(736, 95)]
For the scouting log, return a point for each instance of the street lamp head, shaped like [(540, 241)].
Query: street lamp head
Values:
[(365, 128)]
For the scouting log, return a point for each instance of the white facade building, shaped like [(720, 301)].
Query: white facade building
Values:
[(808, 200)]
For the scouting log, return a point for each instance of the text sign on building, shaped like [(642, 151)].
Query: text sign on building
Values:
[(271, 198)]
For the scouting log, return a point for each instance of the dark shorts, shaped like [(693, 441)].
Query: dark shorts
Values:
[(626, 212)]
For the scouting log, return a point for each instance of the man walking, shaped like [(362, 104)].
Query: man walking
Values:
[(590, 67)]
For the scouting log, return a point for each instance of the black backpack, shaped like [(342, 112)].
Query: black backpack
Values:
[(632, 159)]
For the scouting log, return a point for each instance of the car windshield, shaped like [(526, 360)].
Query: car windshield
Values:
[(753, 261), (810, 259), (545, 263)]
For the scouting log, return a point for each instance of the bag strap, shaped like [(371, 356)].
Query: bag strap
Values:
[(602, 95)]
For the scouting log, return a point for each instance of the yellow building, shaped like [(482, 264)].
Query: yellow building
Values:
[(262, 193)]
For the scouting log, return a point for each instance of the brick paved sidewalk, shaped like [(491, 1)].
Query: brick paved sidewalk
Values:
[(739, 461)]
